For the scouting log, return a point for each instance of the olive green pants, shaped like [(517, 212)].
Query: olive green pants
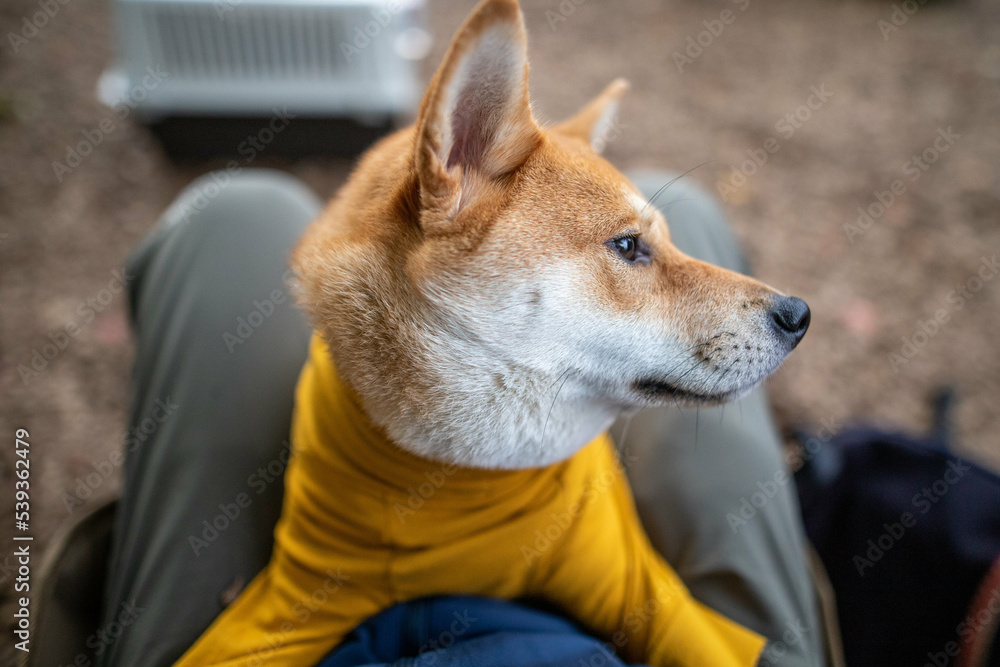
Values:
[(219, 349)]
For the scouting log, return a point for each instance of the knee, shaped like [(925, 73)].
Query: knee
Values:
[(261, 190), (262, 211)]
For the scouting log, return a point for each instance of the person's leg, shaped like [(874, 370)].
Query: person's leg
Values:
[(711, 485), (219, 346)]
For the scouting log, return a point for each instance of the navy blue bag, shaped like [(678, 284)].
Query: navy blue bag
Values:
[(909, 534)]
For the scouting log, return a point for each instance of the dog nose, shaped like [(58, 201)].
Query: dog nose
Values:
[(791, 318)]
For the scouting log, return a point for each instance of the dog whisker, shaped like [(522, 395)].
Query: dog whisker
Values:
[(697, 345), (620, 451), (565, 376), (678, 201), (690, 370), (719, 381), (514, 305), (669, 183)]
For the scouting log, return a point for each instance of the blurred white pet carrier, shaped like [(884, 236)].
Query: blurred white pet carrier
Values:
[(349, 59)]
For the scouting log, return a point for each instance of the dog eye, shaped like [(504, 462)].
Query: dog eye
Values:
[(630, 248)]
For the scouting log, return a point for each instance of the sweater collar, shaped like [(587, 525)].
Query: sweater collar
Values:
[(342, 425)]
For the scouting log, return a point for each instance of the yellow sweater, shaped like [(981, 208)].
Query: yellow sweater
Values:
[(366, 525)]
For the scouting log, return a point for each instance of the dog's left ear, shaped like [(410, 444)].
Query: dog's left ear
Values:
[(475, 123), (592, 123)]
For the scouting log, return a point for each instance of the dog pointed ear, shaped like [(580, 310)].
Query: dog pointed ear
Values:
[(475, 121), (592, 123)]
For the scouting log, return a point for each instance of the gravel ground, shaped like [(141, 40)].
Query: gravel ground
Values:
[(838, 109)]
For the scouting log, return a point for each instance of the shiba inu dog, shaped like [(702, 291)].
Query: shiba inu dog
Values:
[(488, 295)]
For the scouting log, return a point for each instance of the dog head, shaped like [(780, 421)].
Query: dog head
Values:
[(497, 293)]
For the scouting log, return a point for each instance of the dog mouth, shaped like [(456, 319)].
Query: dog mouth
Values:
[(658, 390)]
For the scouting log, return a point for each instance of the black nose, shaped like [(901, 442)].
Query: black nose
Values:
[(791, 318)]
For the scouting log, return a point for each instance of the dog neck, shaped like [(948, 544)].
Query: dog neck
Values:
[(448, 398), (483, 420)]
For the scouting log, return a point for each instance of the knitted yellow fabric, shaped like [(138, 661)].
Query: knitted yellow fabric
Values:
[(366, 525)]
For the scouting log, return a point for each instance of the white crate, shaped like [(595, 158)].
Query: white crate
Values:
[(341, 58)]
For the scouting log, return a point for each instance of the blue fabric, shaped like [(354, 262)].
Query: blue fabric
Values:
[(469, 632)]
